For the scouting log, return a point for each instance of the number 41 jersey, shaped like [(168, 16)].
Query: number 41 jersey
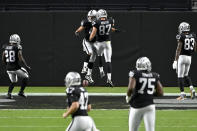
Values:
[(78, 94), (146, 82), (11, 56), (188, 41)]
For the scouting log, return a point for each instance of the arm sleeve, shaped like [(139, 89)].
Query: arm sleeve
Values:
[(132, 74)]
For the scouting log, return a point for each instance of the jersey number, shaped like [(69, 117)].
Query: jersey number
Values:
[(10, 56), (147, 82), (189, 44), (104, 29), (83, 101)]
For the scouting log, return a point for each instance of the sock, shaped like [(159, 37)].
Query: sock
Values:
[(23, 85), (11, 87), (188, 81), (109, 67), (87, 58), (109, 76), (100, 61), (90, 66), (181, 84), (101, 69)]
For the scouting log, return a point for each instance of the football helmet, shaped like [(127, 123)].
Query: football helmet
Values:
[(143, 63), (15, 38), (101, 13), (183, 27), (92, 15), (72, 79)]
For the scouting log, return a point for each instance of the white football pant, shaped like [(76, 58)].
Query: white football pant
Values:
[(104, 48), (136, 115), (82, 123), (13, 75), (87, 47), (184, 63)]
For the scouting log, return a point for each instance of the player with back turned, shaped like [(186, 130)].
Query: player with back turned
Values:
[(78, 104), (143, 85), (12, 57), (185, 48)]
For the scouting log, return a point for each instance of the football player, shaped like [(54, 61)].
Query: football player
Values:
[(143, 85), (78, 104), (185, 48), (102, 28), (86, 25), (11, 57)]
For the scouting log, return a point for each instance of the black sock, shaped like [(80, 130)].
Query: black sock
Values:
[(87, 58), (11, 87), (100, 61), (181, 84), (188, 81), (109, 67), (90, 65), (23, 85)]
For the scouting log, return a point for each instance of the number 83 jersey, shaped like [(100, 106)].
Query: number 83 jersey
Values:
[(78, 94), (146, 82), (11, 56), (188, 43)]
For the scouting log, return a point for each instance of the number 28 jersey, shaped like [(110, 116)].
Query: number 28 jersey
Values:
[(11, 56), (78, 94), (188, 41), (103, 29), (146, 82)]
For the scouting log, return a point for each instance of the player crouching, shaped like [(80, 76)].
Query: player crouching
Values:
[(78, 104)]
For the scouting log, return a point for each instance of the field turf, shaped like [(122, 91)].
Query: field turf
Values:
[(90, 89), (106, 120)]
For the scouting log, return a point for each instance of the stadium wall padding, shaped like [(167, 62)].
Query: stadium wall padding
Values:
[(51, 48)]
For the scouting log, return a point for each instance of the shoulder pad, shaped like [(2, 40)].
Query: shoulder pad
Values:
[(83, 22), (19, 47), (178, 37), (94, 22)]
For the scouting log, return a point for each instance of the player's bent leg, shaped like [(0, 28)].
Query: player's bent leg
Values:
[(135, 117), (149, 118), (13, 80)]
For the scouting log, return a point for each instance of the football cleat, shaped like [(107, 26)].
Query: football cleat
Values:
[(84, 70), (9, 96), (181, 97), (193, 93), (102, 74), (22, 94), (89, 78), (110, 83)]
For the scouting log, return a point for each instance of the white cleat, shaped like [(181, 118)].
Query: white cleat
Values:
[(84, 70), (193, 93), (89, 78)]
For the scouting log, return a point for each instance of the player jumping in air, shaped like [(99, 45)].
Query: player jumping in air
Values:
[(185, 48)]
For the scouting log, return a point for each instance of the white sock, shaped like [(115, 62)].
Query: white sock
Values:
[(89, 72), (101, 69), (85, 64), (182, 93), (109, 76)]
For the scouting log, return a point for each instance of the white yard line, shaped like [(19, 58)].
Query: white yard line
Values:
[(90, 94)]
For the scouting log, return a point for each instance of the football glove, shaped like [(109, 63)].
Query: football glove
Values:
[(174, 65), (128, 98)]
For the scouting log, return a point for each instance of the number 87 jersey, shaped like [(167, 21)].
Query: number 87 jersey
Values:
[(188, 41), (146, 82)]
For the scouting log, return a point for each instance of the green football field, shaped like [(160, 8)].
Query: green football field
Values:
[(106, 120), (4, 89)]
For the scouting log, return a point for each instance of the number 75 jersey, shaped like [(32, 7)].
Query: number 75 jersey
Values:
[(146, 82), (78, 94), (188, 43)]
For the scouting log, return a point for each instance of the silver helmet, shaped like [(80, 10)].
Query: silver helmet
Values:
[(92, 15), (101, 13), (143, 63), (15, 38), (72, 79), (183, 27)]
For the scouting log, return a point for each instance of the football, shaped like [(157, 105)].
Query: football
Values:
[(85, 83)]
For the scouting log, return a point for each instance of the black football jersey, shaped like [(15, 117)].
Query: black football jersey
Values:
[(146, 82), (104, 29), (78, 94), (188, 41), (88, 29), (11, 56)]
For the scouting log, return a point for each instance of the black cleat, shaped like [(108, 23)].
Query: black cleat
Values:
[(110, 83), (22, 95), (9, 96)]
